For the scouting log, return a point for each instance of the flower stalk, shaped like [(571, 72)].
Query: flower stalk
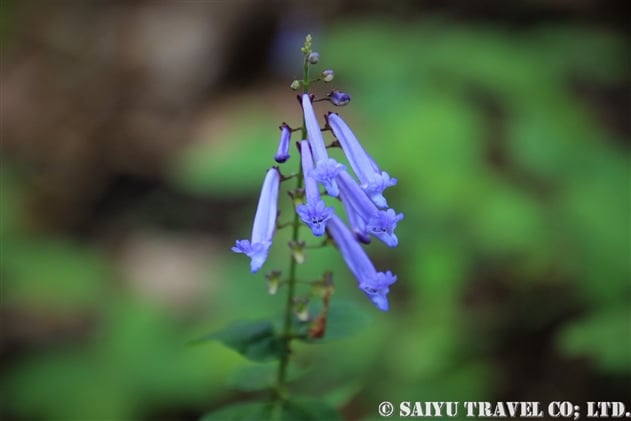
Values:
[(281, 393)]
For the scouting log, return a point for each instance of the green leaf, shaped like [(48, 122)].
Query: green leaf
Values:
[(255, 340), (260, 376), (254, 411)]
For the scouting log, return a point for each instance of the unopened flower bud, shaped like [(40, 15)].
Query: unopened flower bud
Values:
[(328, 75), (282, 153), (313, 57), (339, 98), (295, 85)]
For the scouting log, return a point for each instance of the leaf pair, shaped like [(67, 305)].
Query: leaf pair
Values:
[(259, 340)]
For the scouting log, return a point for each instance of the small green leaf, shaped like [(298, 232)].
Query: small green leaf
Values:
[(255, 340), (251, 411)]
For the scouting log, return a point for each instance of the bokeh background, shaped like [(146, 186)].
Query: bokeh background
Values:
[(135, 135)]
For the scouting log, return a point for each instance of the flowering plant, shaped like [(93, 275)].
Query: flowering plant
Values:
[(367, 215)]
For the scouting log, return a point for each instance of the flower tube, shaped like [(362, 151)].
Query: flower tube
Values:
[(357, 224), (264, 223), (374, 284), (372, 180), (314, 213), (326, 169)]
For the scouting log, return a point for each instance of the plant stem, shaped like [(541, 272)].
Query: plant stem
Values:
[(287, 336)]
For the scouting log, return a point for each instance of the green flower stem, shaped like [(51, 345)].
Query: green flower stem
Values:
[(282, 394)]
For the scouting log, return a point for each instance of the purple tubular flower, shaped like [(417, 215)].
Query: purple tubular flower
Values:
[(379, 223), (314, 213), (264, 223), (282, 154), (371, 178), (326, 169), (374, 284)]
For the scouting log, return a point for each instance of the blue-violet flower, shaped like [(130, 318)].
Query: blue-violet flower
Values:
[(379, 223), (314, 213), (264, 223), (371, 178), (374, 284), (326, 169)]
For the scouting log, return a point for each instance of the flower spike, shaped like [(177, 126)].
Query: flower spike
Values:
[(282, 153), (371, 178), (326, 169), (379, 223), (374, 284), (264, 223), (314, 213)]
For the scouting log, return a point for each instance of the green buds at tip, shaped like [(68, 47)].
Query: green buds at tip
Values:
[(307, 48)]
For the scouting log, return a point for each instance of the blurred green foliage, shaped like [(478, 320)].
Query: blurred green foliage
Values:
[(509, 180)]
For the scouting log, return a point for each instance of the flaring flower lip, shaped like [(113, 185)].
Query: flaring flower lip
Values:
[(282, 153), (371, 178), (264, 223), (326, 169), (374, 284), (382, 226), (379, 223), (378, 291), (314, 213), (326, 172)]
